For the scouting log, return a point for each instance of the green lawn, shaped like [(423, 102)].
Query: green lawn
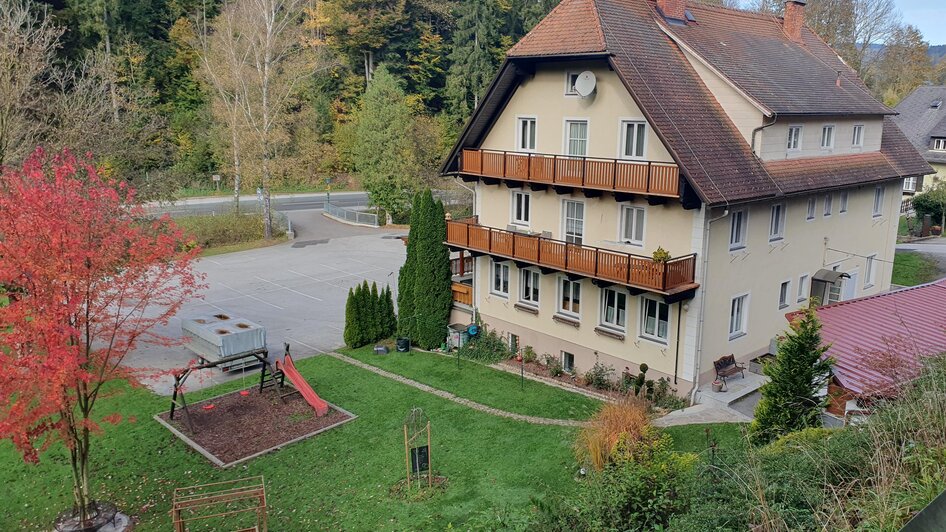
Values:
[(339, 480), (911, 268), (482, 384), (693, 438)]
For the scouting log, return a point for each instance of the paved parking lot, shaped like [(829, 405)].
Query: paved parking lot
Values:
[(297, 291)]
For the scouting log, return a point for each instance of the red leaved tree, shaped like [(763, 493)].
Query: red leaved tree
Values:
[(86, 277)]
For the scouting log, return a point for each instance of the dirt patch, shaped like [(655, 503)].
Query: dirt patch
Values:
[(241, 426), (540, 369)]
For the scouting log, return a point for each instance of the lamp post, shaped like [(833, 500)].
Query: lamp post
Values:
[(522, 371)]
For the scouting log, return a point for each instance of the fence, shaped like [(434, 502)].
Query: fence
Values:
[(351, 216)]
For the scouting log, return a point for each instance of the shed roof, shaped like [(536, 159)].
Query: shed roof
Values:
[(879, 340)]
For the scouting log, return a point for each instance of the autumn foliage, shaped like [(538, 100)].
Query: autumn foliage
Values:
[(86, 276)]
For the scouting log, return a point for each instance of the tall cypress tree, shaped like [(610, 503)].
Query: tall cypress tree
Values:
[(405, 278), (375, 314), (352, 336), (790, 400), (390, 319), (432, 293)]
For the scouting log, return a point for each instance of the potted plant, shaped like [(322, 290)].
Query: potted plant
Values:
[(661, 255), (717, 386)]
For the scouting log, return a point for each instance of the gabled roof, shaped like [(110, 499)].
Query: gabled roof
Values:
[(788, 78), (921, 121), (713, 155), (879, 340)]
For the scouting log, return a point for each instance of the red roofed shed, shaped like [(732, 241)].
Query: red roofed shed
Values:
[(878, 341)]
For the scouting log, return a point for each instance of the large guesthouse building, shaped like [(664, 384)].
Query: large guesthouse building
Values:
[(661, 182)]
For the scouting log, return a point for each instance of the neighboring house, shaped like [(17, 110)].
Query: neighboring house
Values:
[(878, 341), (923, 120), (737, 142)]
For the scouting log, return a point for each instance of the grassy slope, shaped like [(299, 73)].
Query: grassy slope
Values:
[(692, 438), (337, 480), (911, 268), (482, 384)]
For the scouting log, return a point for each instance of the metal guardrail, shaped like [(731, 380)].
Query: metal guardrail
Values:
[(351, 216)]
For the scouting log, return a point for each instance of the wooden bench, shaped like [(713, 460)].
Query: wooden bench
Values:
[(727, 367)]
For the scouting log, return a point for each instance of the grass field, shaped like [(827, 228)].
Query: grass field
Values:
[(693, 438), (483, 384), (911, 268), (339, 480)]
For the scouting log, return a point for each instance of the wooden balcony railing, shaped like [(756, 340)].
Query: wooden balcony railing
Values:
[(607, 265), (613, 175), (463, 294), (461, 266)]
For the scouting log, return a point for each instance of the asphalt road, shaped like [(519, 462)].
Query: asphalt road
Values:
[(283, 203)]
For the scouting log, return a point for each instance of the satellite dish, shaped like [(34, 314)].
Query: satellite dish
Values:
[(585, 84)]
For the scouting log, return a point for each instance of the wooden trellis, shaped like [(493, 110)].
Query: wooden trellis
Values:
[(214, 504), (417, 457)]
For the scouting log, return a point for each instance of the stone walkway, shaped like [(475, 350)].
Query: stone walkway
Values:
[(459, 400), (702, 413)]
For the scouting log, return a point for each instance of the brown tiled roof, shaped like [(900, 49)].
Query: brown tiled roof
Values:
[(571, 28), (786, 77), (713, 155)]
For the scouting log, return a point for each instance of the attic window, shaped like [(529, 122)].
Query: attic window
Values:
[(689, 16), (936, 104), (939, 144)]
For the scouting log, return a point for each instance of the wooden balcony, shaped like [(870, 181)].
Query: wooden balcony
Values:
[(610, 175), (636, 271), (463, 294)]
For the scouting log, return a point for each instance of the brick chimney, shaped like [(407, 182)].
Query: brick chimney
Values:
[(794, 19), (673, 9)]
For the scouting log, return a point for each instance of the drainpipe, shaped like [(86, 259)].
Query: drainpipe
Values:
[(699, 342), (676, 357), (760, 128)]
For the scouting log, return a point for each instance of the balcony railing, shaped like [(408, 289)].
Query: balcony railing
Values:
[(613, 175), (463, 294), (624, 268), (461, 266)]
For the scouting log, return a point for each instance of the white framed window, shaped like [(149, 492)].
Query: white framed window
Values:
[(521, 208), (633, 139), (878, 201), (568, 362), (828, 205), (529, 281), (632, 224), (870, 271), (803, 287), (738, 316), (573, 217), (526, 133), (576, 138), (784, 293), (909, 184), (844, 200), (939, 145), (857, 138), (614, 308), (500, 282), (777, 222), (812, 202), (827, 137), (794, 138), (570, 79), (655, 320), (738, 227), (569, 296)]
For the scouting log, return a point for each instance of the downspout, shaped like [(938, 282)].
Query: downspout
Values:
[(676, 357), (759, 130), (699, 343)]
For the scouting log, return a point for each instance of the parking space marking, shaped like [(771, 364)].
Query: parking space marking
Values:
[(303, 344), (283, 287), (228, 287)]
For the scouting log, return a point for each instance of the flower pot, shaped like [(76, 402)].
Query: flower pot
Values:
[(717, 386)]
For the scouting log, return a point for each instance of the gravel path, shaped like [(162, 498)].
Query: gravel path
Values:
[(459, 400)]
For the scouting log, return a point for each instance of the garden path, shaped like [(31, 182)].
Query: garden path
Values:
[(459, 400)]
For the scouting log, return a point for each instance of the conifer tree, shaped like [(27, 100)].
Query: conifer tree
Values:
[(474, 56), (375, 314), (405, 279), (432, 293), (390, 319), (790, 401), (351, 334)]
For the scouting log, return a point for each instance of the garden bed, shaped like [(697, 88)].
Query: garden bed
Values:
[(240, 427)]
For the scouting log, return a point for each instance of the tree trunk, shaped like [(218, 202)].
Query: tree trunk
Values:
[(267, 213), (237, 173), (108, 55)]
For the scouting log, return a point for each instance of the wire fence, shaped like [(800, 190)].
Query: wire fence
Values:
[(351, 216)]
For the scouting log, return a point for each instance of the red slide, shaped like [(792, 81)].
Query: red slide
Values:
[(287, 367)]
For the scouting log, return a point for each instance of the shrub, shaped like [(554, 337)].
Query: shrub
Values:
[(600, 376), (225, 229), (554, 365), (661, 255), (597, 442), (528, 354), (487, 347), (666, 397)]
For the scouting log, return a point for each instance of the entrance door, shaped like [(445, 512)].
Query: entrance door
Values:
[(850, 287)]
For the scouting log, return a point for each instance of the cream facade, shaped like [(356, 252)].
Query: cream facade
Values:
[(752, 265)]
